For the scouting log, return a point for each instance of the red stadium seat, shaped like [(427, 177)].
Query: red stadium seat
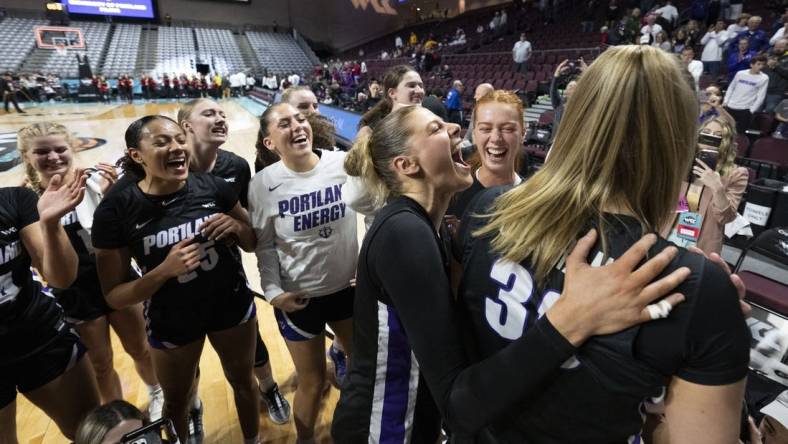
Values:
[(770, 149)]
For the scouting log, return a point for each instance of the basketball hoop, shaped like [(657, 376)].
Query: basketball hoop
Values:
[(60, 48)]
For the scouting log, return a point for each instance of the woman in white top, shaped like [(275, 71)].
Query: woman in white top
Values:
[(306, 250)]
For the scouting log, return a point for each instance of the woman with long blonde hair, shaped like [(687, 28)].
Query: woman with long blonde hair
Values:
[(712, 198), (411, 364), (48, 149), (625, 144)]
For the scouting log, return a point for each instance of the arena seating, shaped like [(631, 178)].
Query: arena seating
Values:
[(17, 37), (279, 53), (176, 51), (121, 55), (219, 48)]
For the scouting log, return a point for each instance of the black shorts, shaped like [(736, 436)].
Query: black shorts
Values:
[(171, 324), (83, 304), (310, 321), (40, 368)]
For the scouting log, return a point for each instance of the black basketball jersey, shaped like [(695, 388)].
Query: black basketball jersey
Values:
[(597, 395), (87, 277), (150, 225), (29, 320), (236, 172)]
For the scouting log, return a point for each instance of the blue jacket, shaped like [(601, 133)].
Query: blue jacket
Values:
[(735, 65), (453, 101), (758, 41)]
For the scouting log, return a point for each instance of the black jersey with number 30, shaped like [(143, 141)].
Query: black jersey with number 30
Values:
[(596, 396), (29, 320), (151, 225)]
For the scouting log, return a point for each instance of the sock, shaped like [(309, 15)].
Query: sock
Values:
[(153, 389), (266, 384), (255, 440), (196, 403)]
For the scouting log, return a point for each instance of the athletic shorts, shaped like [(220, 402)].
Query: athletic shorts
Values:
[(82, 304), (40, 368), (172, 324), (310, 321)]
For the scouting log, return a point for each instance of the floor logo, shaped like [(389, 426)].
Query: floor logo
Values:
[(9, 155)]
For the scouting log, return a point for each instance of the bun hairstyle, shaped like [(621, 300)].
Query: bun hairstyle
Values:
[(24, 141), (371, 156), (133, 138), (391, 78)]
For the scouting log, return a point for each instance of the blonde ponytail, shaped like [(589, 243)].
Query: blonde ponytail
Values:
[(359, 163)]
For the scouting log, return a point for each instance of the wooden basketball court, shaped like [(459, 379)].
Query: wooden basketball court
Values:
[(101, 128)]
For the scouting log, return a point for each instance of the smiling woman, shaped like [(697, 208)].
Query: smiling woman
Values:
[(185, 278)]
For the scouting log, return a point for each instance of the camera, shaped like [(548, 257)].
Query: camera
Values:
[(158, 432)]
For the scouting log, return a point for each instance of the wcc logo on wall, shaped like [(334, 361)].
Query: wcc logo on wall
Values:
[(9, 155), (379, 6)]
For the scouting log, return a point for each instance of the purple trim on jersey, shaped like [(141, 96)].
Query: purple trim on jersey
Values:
[(398, 369)]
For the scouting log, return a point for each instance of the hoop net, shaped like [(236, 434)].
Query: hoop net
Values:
[(61, 49)]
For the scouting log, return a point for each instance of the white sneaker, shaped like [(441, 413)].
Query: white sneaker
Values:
[(155, 405)]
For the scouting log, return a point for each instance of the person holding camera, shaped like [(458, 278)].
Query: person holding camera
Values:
[(568, 69), (711, 198)]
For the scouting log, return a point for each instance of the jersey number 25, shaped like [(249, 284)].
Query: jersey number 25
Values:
[(208, 260)]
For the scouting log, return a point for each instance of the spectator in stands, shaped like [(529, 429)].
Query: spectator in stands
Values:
[(434, 102), (454, 102), (398, 42), (780, 33), (716, 189), (480, 34), (777, 70), (739, 26), (739, 59), (680, 40), (695, 67), (495, 24), (481, 90), (612, 14), (694, 33), (662, 42), (734, 10), (372, 96), (521, 52), (413, 40), (285, 83), (758, 41), (459, 38), (564, 69), (590, 8), (668, 12), (713, 44), (746, 93), (632, 28), (711, 106), (651, 27), (402, 86), (781, 115), (504, 21)]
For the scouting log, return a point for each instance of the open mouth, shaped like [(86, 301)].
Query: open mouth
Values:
[(219, 130), (496, 153), (178, 164), (456, 157), (300, 139)]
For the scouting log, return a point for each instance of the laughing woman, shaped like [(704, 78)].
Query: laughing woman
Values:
[(180, 228)]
